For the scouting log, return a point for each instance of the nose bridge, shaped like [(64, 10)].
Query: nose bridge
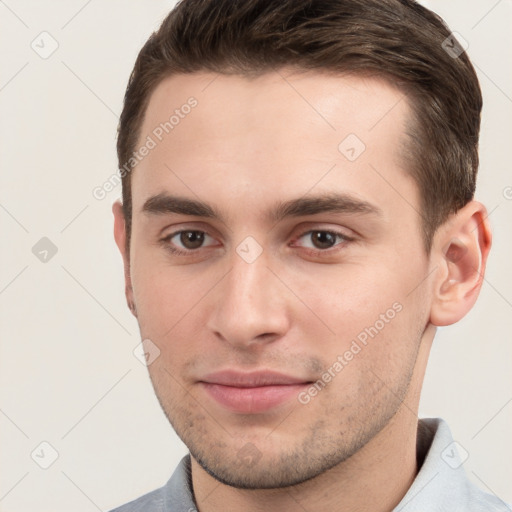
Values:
[(250, 307), (248, 282)]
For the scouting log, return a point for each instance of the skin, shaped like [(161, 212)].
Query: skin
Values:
[(249, 145)]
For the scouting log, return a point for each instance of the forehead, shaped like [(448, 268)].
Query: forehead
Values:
[(278, 134)]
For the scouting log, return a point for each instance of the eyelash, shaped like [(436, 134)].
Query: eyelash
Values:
[(312, 251), (176, 251), (345, 239)]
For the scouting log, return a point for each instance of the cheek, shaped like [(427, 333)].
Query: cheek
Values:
[(171, 312), (164, 294), (363, 305), (349, 298)]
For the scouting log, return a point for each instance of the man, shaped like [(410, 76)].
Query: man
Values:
[(297, 219)]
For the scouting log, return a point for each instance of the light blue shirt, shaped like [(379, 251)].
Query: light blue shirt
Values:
[(441, 483)]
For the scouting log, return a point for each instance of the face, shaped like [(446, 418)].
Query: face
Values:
[(276, 262)]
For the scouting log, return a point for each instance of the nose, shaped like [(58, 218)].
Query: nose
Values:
[(250, 307)]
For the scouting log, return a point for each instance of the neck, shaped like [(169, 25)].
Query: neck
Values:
[(375, 478)]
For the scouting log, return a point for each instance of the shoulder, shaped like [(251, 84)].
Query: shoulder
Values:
[(151, 502), (176, 494)]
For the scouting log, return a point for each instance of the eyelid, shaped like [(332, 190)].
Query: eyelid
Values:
[(168, 237), (335, 231), (177, 227)]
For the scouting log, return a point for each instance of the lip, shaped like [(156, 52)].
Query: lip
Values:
[(254, 392)]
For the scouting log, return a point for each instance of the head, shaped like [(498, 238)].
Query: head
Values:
[(309, 211)]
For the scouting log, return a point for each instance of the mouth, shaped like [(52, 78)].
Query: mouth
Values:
[(252, 393)]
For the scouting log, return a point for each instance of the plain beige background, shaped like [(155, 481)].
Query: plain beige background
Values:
[(68, 373)]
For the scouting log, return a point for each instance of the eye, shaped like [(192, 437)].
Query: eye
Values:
[(189, 240), (321, 239)]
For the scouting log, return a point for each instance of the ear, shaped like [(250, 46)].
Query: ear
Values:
[(459, 253), (121, 242)]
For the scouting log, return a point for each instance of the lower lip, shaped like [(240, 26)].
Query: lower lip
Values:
[(252, 400)]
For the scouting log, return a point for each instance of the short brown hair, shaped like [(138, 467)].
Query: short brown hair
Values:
[(396, 39)]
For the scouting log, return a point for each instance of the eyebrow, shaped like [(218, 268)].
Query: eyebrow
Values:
[(164, 203), (327, 203)]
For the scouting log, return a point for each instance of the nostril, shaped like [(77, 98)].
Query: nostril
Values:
[(265, 336)]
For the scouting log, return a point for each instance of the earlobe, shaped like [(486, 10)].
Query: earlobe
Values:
[(121, 242), (460, 250)]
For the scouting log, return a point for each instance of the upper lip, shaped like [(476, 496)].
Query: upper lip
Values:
[(253, 379)]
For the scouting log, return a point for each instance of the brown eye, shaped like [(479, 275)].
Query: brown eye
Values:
[(189, 242), (323, 239), (192, 239)]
